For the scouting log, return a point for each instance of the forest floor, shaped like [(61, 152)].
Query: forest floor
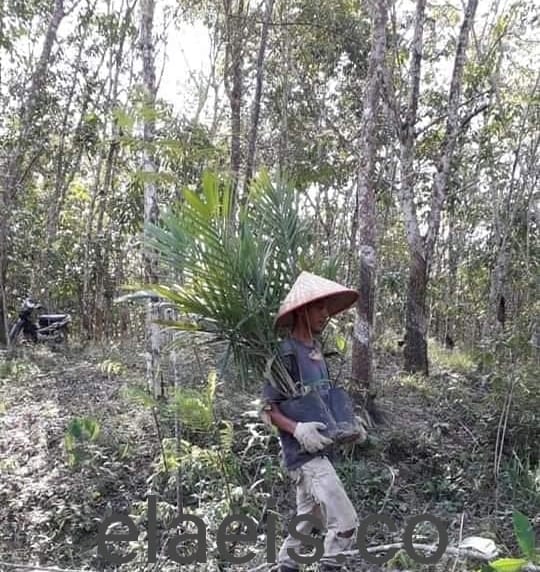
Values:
[(79, 441)]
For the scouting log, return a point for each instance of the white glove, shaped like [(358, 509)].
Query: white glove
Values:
[(362, 431), (307, 434)]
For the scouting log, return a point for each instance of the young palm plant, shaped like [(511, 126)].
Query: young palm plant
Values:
[(235, 266)]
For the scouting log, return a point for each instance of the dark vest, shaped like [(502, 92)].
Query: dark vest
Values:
[(307, 372)]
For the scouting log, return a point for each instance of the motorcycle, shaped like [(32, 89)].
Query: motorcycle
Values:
[(47, 327)]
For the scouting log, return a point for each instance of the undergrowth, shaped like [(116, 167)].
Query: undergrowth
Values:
[(206, 450)]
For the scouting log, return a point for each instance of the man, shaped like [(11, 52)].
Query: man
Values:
[(319, 491)]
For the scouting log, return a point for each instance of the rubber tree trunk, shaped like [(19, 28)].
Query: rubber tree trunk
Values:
[(415, 357), (362, 355), (415, 349), (422, 248)]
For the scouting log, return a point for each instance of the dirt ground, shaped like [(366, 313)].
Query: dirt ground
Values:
[(434, 454)]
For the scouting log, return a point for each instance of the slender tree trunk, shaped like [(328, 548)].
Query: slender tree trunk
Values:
[(495, 319), (453, 248), (234, 81), (151, 210), (3, 268), (440, 187), (256, 108), (102, 239), (68, 163), (421, 250), (63, 177), (14, 171), (415, 349), (362, 356), (285, 48), (214, 81), (94, 239), (504, 214), (3, 224), (88, 279), (415, 318)]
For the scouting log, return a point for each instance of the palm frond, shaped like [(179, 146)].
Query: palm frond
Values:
[(235, 270)]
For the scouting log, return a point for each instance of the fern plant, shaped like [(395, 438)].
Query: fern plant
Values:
[(195, 408), (236, 267)]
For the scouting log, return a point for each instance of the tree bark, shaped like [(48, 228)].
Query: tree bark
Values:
[(454, 247), (362, 353), (415, 348), (440, 186), (151, 209), (421, 249), (234, 82), (415, 351), (256, 108), (415, 319), (4, 328)]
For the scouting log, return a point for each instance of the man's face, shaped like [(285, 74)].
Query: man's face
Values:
[(317, 315)]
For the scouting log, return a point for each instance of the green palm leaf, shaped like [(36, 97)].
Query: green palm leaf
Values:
[(235, 269)]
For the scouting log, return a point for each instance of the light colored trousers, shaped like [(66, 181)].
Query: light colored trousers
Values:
[(320, 493)]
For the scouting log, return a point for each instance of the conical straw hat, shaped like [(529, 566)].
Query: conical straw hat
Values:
[(308, 288)]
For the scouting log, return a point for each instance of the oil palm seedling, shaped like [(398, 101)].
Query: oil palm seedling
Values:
[(234, 267)]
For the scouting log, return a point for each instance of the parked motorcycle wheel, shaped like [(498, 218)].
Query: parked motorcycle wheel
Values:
[(61, 336), (15, 332), (58, 336), (19, 333)]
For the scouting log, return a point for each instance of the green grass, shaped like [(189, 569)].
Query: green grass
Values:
[(416, 381), (455, 360)]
